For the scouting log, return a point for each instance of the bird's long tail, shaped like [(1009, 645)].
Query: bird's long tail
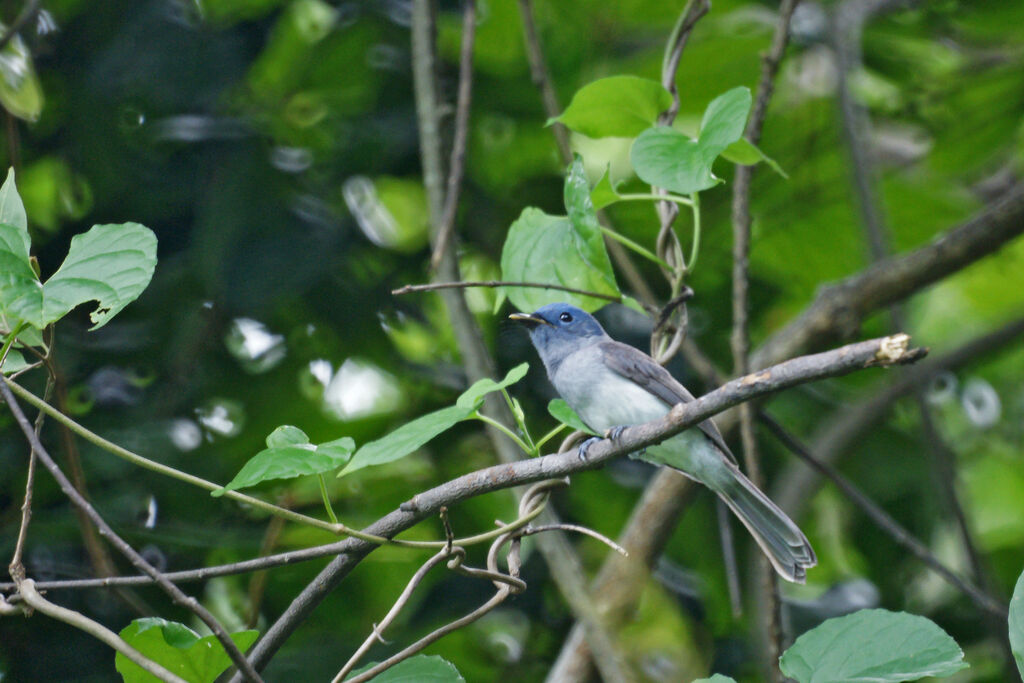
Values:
[(779, 537)]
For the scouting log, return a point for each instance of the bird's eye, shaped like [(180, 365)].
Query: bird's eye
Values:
[(565, 317)]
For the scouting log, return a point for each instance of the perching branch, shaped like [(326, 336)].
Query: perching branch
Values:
[(840, 361), (123, 547)]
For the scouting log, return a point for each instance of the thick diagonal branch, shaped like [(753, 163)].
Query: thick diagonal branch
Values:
[(846, 359)]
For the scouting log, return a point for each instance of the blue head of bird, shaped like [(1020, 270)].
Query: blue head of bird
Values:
[(558, 330)]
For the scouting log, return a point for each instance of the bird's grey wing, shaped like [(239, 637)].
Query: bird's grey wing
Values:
[(637, 366)]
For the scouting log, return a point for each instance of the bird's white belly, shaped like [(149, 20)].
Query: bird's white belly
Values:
[(607, 399)]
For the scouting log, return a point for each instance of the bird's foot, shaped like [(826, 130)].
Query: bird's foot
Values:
[(585, 446), (615, 432)]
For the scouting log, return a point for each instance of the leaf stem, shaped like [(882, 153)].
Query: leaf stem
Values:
[(503, 429), (630, 244), (10, 341), (550, 435), (642, 196), (695, 198), (327, 500)]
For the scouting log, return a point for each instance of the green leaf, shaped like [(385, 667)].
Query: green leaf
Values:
[(289, 454), (1016, 622), (561, 411), (873, 645), (746, 153), (564, 250), (603, 193), (109, 264), (14, 362), (12, 210), (407, 438), (178, 649), (473, 396), (724, 120), (619, 106), (429, 669), (286, 435), (666, 158)]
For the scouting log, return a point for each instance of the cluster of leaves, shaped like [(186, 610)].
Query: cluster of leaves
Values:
[(569, 250)]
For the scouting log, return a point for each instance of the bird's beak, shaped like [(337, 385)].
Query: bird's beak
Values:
[(529, 319)]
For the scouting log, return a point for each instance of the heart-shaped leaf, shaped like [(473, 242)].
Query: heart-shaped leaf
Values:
[(563, 250), (666, 158), (872, 645), (619, 106), (178, 649)]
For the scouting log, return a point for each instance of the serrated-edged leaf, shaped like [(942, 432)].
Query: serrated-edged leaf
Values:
[(1016, 623), (406, 438), (288, 455), (603, 194), (286, 435), (178, 649), (473, 396), (724, 120), (745, 152), (872, 645), (561, 411), (619, 106), (550, 249), (426, 668), (666, 158)]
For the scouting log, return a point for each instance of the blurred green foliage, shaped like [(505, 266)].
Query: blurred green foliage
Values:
[(272, 145)]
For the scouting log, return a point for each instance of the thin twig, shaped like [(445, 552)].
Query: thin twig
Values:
[(16, 568), (408, 289), (32, 597), (124, 548), (740, 338), (26, 15), (457, 164), (884, 521), (542, 79)]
